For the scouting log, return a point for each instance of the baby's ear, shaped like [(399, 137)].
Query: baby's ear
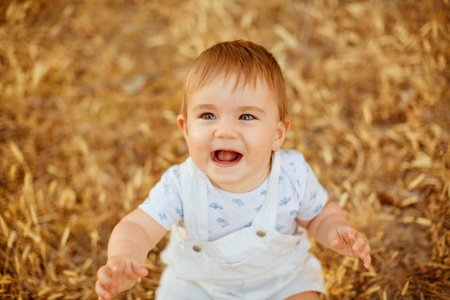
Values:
[(280, 135), (182, 123)]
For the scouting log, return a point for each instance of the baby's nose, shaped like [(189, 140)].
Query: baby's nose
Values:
[(226, 130)]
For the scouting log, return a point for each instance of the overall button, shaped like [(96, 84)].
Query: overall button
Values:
[(196, 248), (261, 233)]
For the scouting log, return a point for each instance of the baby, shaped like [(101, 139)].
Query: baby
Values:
[(238, 207)]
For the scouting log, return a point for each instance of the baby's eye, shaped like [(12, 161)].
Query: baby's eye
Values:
[(208, 116), (246, 117)]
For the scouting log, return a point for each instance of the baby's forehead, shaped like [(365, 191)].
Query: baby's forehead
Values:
[(237, 80), (249, 93)]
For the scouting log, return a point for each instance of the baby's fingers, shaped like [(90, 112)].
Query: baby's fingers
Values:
[(365, 255), (334, 239), (342, 237), (102, 292), (139, 271), (359, 242), (349, 233), (129, 271), (361, 249), (120, 271), (105, 284), (367, 259)]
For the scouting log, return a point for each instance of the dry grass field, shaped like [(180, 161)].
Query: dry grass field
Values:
[(90, 90)]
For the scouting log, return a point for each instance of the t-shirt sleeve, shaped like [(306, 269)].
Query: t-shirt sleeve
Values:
[(312, 197), (164, 202)]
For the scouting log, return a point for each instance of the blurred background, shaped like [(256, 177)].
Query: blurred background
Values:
[(90, 91)]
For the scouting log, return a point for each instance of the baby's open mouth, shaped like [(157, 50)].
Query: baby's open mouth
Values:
[(225, 156)]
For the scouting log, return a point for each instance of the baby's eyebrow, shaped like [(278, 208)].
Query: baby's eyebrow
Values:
[(246, 108), (250, 108), (203, 107)]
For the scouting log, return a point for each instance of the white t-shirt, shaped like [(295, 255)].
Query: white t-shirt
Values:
[(301, 197)]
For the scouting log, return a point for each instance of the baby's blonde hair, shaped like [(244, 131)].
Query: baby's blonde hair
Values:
[(248, 61)]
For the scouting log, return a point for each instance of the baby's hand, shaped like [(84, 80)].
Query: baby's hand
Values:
[(348, 241), (119, 274)]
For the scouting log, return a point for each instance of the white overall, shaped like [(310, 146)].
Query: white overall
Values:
[(256, 262)]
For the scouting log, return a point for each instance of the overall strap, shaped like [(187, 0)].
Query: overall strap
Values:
[(268, 211), (194, 199)]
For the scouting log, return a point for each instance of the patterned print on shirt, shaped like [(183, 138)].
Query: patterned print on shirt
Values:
[(166, 189), (179, 212), (293, 167), (308, 169), (318, 208), (162, 216), (278, 227), (223, 223), (239, 202), (285, 201), (312, 196), (215, 205), (168, 208)]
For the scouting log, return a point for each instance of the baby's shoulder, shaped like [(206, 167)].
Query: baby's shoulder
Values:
[(172, 173), (170, 180), (293, 161)]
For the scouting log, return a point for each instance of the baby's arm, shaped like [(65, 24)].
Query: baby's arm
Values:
[(332, 229), (131, 240)]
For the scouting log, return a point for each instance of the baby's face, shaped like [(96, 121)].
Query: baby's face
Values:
[(232, 133)]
